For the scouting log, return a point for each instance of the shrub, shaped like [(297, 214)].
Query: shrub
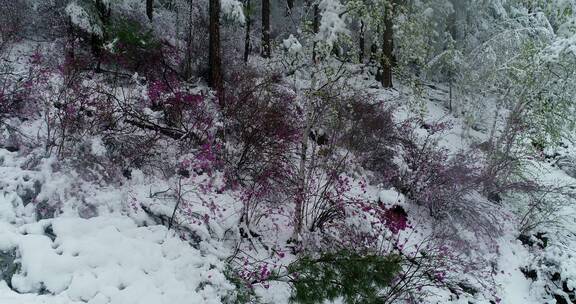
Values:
[(133, 46), (242, 293), (432, 177), (356, 278), (371, 134), (18, 91), (262, 129)]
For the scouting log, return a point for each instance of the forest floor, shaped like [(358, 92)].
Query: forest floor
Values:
[(100, 249)]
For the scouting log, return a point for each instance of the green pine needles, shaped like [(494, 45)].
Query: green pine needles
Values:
[(353, 277)]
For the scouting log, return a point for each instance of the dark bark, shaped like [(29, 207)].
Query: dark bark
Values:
[(96, 41), (290, 4), (316, 29), (171, 132), (361, 43), (70, 49), (387, 47), (266, 47), (150, 9), (214, 56), (247, 37)]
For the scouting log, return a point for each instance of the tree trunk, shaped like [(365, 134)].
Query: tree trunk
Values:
[(316, 29), (187, 67), (301, 191), (149, 9), (266, 48), (96, 41), (387, 47), (361, 43), (214, 60), (290, 4), (70, 63), (247, 37)]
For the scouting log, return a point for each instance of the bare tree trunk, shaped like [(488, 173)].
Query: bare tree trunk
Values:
[(150, 9), (70, 49), (290, 4), (96, 41), (450, 94), (316, 29), (187, 67), (266, 48), (214, 60), (301, 191), (361, 43), (247, 38), (387, 47)]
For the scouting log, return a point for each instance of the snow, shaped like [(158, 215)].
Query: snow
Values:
[(80, 17), (292, 45), (118, 257), (332, 25), (392, 197), (116, 254), (97, 147), (109, 259), (233, 10), (514, 287)]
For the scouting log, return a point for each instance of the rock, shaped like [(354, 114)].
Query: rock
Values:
[(27, 195), (526, 240), (530, 273), (494, 197), (87, 211), (318, 136), (556, 276), (565, 287), (184, 173), (561, 299), (8, 266), (543, 240), (570, 292), (49, 232), (467, 288), (539, 239), (45, 210), (127, 173), (568, 165)]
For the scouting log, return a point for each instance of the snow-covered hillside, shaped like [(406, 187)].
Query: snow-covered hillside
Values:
[(257, 151), (103, 248)]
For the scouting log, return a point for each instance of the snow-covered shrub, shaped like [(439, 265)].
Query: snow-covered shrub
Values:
[(18, 95), (433, 177), (448, 186), (371, 134), (262, 127), (77, 109), (182, 108), (541, 207)]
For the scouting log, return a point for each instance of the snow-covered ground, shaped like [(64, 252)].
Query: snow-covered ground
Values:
[(104, 248), (105, 257)]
